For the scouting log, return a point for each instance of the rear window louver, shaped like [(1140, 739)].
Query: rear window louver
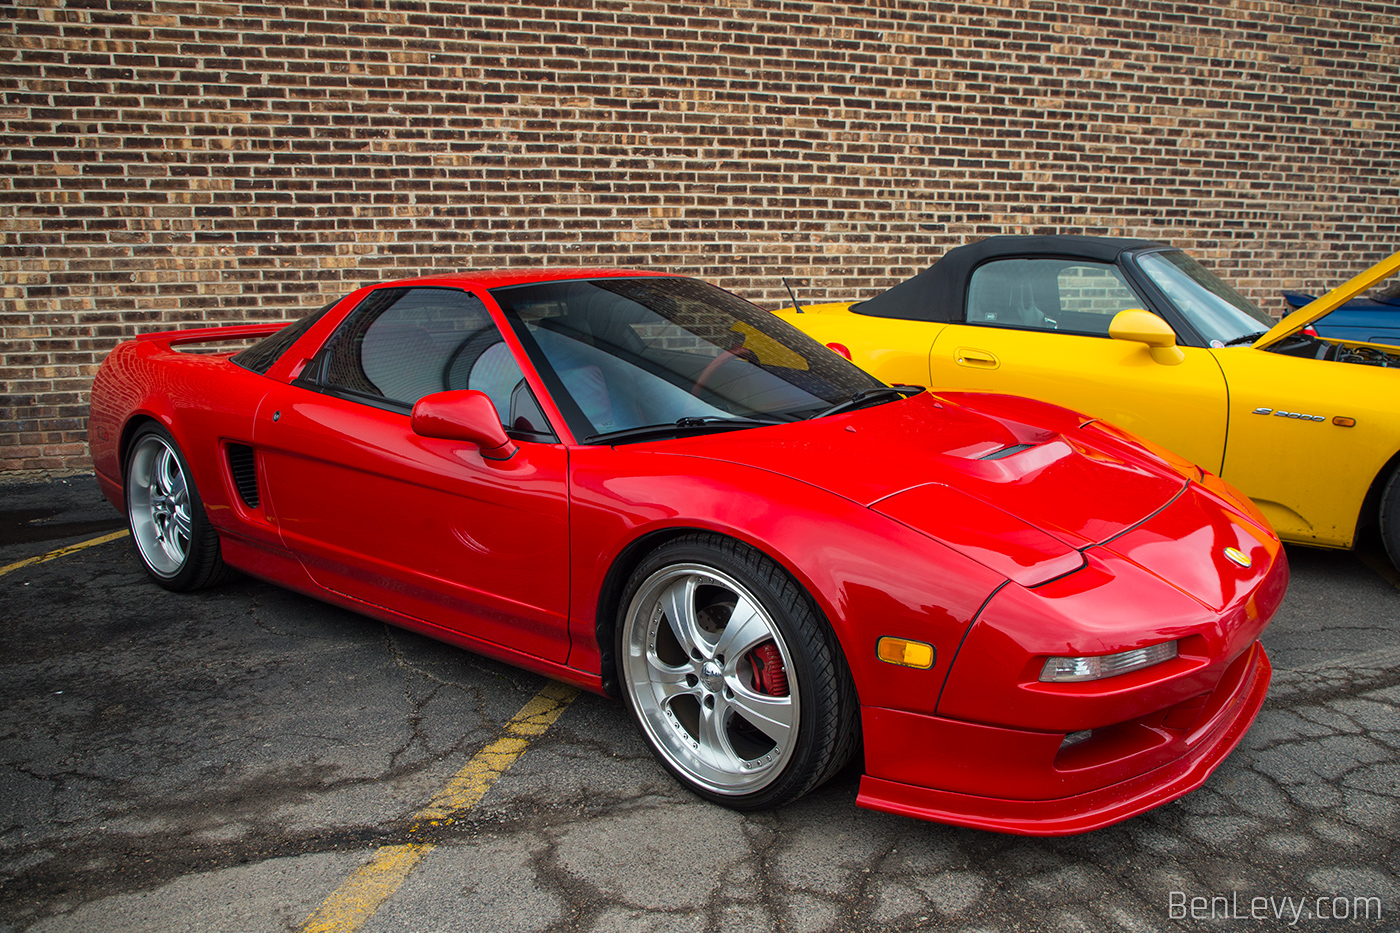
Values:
[(244, 467)]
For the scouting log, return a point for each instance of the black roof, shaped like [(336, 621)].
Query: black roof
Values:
[(936, 294)]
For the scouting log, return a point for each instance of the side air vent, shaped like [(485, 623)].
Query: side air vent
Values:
[(1006, 451), (244, 467)]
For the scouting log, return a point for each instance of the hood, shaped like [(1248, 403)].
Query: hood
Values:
[(1020, 486), (1321, 307)]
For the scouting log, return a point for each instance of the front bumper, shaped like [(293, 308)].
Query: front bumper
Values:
[(916, 749)]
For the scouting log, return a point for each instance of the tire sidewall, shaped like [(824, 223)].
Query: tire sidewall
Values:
[(1389, 517)]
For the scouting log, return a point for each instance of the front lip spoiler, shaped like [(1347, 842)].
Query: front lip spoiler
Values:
[(1096, 809)]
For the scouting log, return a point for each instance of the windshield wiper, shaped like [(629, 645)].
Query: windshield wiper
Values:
[(876, 394), (687, 425), (1246, 338)]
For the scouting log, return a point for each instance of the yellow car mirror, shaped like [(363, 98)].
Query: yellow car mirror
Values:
[(1141, 326)]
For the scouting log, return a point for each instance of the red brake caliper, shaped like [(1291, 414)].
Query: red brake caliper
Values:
[(769, 675)]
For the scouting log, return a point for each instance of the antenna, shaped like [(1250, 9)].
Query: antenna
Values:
[(793, 296)]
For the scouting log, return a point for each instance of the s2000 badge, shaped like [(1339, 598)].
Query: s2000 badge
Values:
[(1238, 556)]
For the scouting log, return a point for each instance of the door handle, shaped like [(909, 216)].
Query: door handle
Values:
[(976, 359)]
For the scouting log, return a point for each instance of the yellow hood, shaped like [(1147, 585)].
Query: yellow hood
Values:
[(1329, 302)]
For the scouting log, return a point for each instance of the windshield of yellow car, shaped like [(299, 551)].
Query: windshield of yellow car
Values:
[(1219, 313)]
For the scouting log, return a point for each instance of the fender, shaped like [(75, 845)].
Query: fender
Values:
[(611, 509)]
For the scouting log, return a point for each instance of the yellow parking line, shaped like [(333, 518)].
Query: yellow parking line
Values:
[(62, 552), (357, 899)]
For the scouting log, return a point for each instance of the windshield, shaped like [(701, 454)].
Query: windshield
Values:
[(623, 353), (1218, 312)]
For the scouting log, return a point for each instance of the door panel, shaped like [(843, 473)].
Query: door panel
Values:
[(421, 525), (1182, 407)]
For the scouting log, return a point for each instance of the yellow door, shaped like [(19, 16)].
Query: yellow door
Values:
[(1181, 406)]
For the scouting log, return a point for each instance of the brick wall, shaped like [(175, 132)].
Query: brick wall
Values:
[(181, 163)]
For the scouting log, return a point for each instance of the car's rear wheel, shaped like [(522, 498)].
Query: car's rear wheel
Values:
[(173, 538), (735, 681), (1390, 517)]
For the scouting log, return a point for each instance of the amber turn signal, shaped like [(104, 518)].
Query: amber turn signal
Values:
[(1341, 422), (905, 653)]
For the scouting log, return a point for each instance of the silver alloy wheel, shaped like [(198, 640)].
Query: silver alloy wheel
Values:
[(695, 639), (158, 505)]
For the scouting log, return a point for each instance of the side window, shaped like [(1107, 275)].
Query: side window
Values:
[(401, 344), (1090, 295), (1049, 294)]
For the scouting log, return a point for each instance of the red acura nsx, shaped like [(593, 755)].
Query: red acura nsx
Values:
[(646, 486)]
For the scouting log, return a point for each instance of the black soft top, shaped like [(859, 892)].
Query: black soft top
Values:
[(937, 293)]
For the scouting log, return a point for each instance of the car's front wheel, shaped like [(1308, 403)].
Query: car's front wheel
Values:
[(173, 538), (737, 684)]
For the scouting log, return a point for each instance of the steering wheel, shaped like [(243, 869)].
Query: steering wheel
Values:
[(479, 341), (712, 367)]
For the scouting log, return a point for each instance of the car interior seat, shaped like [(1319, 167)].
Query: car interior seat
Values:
[(398, 360)]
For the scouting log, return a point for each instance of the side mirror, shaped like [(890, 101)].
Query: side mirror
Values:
[(1142, 326), (465, 415)]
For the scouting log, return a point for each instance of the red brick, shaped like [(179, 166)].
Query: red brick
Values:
[(175, 164)]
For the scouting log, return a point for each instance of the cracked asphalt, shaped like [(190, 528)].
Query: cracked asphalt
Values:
[(223, 761)]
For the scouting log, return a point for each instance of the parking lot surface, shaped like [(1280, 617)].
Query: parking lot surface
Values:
[(248, 759)]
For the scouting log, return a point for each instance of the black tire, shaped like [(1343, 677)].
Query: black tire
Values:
[(170, 533), (1390, 517), (757, 727)]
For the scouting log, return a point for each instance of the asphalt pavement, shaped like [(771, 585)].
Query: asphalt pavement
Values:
[(247, 759)]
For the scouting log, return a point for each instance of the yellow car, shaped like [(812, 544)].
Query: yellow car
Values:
[(1141, 335)]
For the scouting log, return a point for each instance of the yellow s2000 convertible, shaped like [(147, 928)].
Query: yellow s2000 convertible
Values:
[(1139, 334)]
